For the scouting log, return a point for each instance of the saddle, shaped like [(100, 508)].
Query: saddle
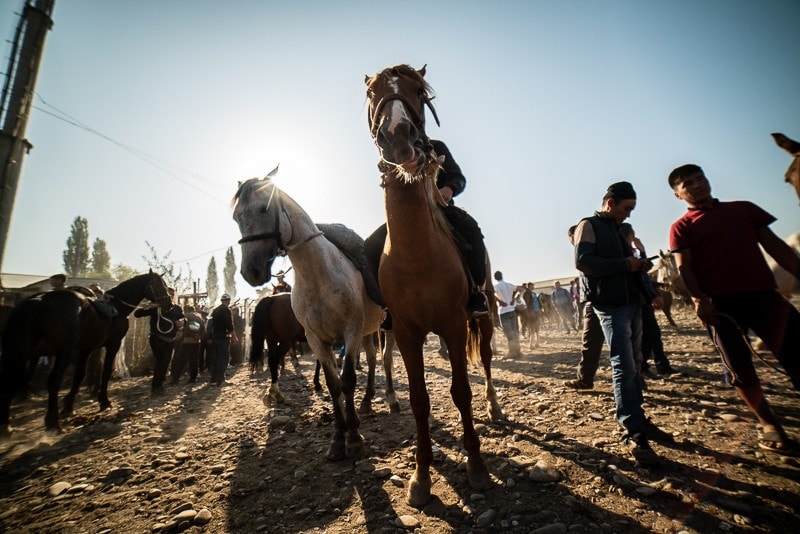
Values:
[(102, 307), (352, 246)]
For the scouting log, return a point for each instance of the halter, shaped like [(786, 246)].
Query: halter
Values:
[(283, 248), (417, 111)]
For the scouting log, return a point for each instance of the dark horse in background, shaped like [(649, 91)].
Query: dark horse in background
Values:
[(68, 325), (275, 323)]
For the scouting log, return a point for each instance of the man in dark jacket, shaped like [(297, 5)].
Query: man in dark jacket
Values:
[(221, 334), (163, 329), (613, 275), (451, 182)]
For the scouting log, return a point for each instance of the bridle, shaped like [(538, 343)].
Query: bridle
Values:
[(416, 109), (276, 233), (283, 247)]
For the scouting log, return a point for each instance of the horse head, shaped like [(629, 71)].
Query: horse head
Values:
[(397, 97), (257, 209), (793, 148), (156, 291)]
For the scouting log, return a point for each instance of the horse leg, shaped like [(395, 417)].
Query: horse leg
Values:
[(77, 378), (317, 383), (51, 419), (461, 393), (388, 363), (273, 394), (337, 449), (485, 329), (354, 439), (108, 367), (369, 391), (419, 487)]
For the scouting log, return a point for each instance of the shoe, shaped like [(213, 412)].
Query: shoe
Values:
[(578, 384), (649, 374), (641, 451), (476, 304), (665, 369), (779, 444), (655, 433), (386, 324)]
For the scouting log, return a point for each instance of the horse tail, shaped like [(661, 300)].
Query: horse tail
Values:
[(17, 346), (474, 341), (258, 332)]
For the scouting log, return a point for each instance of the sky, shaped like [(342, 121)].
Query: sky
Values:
[(148, 113)]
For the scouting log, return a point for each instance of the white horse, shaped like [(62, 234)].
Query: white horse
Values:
[(330, 298)]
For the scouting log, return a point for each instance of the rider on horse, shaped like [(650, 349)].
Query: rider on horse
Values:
[(468, 237)]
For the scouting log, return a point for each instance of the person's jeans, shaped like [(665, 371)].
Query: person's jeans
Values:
[(622, 327), (222, 353), (592, 344), (509, 323)]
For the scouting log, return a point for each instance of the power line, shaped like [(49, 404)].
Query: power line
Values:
[(144, 156)]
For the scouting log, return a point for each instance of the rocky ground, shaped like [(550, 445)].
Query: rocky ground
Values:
[(214, 459)]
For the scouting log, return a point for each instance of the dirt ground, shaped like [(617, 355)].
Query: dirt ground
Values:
[(214, 459)]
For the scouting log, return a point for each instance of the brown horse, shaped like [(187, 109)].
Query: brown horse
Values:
[(69, 325), (421, 272), (275, 323), (793, 148)]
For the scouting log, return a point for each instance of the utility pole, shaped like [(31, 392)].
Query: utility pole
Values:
[(16, 102)]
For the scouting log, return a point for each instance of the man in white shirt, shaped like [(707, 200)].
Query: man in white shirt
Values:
[(505, 293)]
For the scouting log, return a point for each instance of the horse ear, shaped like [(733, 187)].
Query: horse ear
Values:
[(273, 172), (366, 79), (661, 253), (151, 270), (789, 145), (422, 70)]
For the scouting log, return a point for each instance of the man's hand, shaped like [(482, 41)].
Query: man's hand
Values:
[(705, 310), (447, 193), (658, 303)]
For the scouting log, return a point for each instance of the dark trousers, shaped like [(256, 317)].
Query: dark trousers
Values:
[(187, 354), (592, 344), (772, 318), (652, 344), (469, 240), (162, 354)]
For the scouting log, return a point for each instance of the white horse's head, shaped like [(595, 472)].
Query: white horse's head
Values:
[(258, 210)]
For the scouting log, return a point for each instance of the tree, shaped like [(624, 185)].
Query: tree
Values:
[(212, 281), (229, 272), (166, 268), (101, 260), (123, 272), (76, 255)]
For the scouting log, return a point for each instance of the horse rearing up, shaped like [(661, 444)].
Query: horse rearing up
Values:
[(66, 324), (330, 297), (422, 277)]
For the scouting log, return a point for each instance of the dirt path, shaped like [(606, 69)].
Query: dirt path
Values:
[(213, 459)]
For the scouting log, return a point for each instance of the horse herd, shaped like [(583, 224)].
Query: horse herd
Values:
[(335, 299)]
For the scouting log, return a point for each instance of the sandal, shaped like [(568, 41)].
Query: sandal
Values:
[(780, 444)]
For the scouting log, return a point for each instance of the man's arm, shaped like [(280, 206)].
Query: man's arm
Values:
[(703, 305), (782, 253)]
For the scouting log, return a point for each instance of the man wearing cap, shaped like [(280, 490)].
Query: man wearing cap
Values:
[(221, 334), (613, 278), (282, 286)]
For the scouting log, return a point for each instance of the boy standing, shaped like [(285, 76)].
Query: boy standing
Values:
[(716, 248)]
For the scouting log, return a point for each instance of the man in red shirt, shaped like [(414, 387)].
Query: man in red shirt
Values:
[(716, 248)]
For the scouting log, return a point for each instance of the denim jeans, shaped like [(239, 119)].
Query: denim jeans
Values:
[(509, 323), (622, 327)]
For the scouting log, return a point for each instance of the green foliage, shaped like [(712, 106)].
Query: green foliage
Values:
[(174, 277), (229, 273), (100, 262), (121, 272), (76, 255), (212, 282)]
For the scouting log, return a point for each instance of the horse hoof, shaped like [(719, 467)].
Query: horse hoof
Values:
[(394, 407), (356, 449), (480, 481), (105, 406), (336, 451), (317, 386), (419, 492), (365, 408)]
